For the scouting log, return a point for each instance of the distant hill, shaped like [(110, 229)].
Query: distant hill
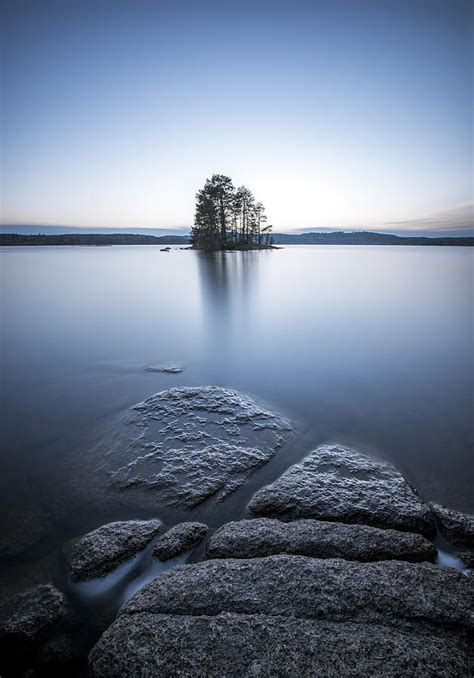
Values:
[(44, 229), (13, 239), (333, 238), (364, 238)]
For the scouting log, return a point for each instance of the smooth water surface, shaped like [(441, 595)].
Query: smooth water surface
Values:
[(371, 346)]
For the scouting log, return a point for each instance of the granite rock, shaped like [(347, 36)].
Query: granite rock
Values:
[(178, 539), (292, 616), (311, 588), (266, 536), (36, 630), (98, 552), (456, 527), (336, 483), (234, 645), (185, 445)]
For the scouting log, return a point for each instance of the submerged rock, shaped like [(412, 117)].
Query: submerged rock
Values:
[(266, 536), (178, 539), (170, 369), (292, 615), (336, 483), (102, 550), (184, 445), (456, 527)]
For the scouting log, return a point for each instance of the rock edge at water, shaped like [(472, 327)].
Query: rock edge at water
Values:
[(335, 483), (102, 550)]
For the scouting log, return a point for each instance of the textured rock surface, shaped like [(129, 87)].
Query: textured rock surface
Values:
[(292, 616), (184, 445), (100, 551), (35, 631), (311, 588), (458, 528), (32, 615), (266, 536), (338, 484), (178, 539), (466, 557), (236, 645)]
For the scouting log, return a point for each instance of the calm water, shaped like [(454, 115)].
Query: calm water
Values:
[(371, 346)]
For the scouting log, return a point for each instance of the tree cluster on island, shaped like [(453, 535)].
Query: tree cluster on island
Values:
[(229, 218)]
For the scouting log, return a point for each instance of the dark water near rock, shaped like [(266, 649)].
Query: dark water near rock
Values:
[(368, 346)]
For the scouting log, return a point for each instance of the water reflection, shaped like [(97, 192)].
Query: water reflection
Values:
[(228, 284)]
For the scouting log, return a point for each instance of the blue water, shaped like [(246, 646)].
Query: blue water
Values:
[(370, 346)]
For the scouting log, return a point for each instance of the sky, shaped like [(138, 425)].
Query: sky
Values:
[(335, 114)]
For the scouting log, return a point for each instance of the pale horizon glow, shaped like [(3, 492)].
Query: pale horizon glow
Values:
[(335, 114)]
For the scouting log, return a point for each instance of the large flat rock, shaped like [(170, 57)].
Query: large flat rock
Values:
[(235, 645), (185, 445), (292, 616), (102, 550), (336, 483), (311, 588), (266, 536)]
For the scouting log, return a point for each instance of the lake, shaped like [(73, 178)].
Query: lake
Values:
[(368, 346)]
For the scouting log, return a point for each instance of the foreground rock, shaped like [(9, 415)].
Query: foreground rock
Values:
[(178, 539), (292, 615), (35, 630), (265, 537), (336, 483), (102, 550), (184, 445), (235, 645), (456, 527)]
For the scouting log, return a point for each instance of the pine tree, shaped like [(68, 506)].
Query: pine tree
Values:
[(227, 217)]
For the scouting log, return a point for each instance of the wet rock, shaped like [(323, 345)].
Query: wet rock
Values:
[(266, 536), (184, 445), (466, 557), (102, 550), (32, 615), (257, 645), (178, 539), (169, 369), (311, 588), (456, 527), (292, 615), (36, 630), (336, 483)]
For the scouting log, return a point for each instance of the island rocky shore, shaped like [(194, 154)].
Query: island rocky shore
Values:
[(332, 570)]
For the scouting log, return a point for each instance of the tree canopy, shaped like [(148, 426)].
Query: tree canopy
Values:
[(228, 217)]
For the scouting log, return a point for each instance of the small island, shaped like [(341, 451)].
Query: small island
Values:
[(229, 218)]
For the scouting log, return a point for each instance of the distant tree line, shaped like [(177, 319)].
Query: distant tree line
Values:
[(16, 240), (228, 217)]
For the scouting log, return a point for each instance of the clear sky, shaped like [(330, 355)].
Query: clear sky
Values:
[(334, 113)]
